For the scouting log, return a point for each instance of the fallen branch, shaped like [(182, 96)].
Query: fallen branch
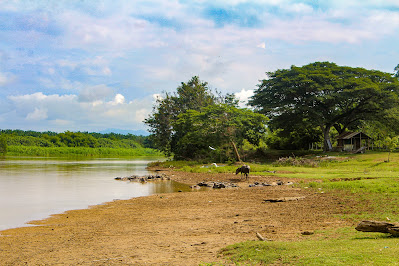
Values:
[(261, 238), (380, 227), (283, 199), (118, 258)]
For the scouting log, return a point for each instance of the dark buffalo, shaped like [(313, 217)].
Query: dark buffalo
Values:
[(243, 170)]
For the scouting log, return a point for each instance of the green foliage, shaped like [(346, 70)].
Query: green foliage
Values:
[(209, 133), (307, 100), (192, 95), (3, 144), (57, 144), (195, 124), (75, 139), (32, 141), (80, 151), (390, 144)]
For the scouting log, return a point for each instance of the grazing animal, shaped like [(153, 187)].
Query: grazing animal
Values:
[(243, 170)]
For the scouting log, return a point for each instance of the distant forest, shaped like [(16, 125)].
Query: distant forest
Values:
[(74, 139)]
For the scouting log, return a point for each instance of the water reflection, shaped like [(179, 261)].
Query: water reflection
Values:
[(32, 189)]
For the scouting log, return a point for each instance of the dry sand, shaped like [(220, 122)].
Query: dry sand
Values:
[(186, 228)]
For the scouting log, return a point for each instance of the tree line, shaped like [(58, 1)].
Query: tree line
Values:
[(291, 108), (71, 139)]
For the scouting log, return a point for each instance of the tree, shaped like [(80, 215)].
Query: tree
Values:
[(187, 123), (396, 74), (192, 95), (325, 95), (390, 144), (217, 129)]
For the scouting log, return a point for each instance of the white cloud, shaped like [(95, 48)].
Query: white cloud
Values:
[(244, 96), (262, 45), (6, 79), (37, 114), (95, 93), (298, 8), (119, 99), (118, 31), (59, 82), (68, 112)]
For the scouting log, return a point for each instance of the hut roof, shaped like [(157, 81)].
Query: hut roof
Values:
[(350, 135)]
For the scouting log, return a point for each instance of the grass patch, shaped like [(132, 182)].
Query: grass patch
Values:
[(355, 249)]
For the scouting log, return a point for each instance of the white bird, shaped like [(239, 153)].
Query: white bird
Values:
[(212, 148)]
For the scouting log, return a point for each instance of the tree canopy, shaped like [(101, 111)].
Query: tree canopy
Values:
[(194, 123), (396, 74), (215, 130), (192, 95), (72, 139), (324, 95)]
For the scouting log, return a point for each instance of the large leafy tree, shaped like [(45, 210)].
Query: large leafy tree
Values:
[(192, 95), (194, 122), (325, 95), (217, 129)]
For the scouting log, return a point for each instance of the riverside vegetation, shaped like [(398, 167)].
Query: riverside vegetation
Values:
[(367, 179), (67, 144)]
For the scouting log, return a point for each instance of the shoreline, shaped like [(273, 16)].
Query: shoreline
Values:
[(174, 228)]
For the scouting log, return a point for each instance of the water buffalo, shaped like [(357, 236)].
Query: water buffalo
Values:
[(243, 170)]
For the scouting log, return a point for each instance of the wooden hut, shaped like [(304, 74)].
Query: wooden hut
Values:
[(353, 142)]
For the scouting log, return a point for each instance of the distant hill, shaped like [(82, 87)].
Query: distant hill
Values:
[(125, 132)]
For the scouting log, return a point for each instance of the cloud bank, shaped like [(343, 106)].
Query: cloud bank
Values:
[(75, 65)]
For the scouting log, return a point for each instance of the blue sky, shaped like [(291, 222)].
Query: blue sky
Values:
[(91, 65)]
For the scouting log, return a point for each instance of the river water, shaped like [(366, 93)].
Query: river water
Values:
[(33, 189)]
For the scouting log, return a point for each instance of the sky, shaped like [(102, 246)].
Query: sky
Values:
[(83, 65)]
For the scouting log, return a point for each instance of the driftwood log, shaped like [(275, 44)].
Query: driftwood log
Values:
[(284, 199), (376, 226)]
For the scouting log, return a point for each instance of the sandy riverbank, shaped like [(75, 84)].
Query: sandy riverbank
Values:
[(172, 229)]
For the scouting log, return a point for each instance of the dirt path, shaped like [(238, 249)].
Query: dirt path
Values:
[(171, 229)]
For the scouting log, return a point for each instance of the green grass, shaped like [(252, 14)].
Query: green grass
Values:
[(354, 249), (369, 165), (79, 151)]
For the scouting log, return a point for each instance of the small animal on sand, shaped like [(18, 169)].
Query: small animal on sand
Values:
[(243, 170)]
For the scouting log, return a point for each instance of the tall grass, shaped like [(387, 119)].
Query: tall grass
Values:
[(79, 151)]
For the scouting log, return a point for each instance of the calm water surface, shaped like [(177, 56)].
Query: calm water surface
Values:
[(32, 189)]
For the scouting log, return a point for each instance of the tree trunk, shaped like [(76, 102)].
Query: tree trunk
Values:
[(236, 151), (326, 135)]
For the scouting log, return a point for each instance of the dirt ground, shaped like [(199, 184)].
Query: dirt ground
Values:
[(187, 228)]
